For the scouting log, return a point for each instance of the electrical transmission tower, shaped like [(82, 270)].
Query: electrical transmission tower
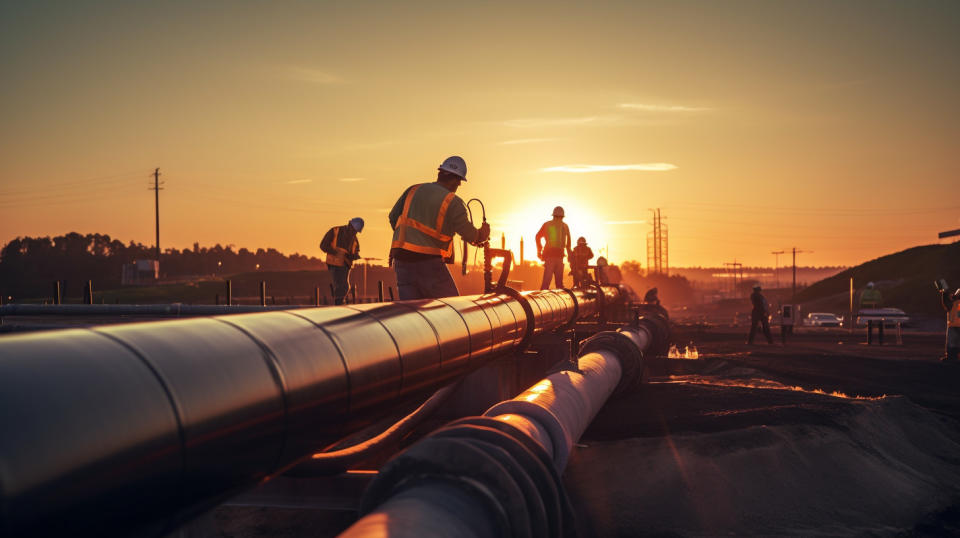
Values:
[(657, 251)]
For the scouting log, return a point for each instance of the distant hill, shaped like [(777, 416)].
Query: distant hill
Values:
[(904, 278)]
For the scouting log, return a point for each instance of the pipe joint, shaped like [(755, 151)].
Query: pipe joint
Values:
[(627, 346), (501, 467)]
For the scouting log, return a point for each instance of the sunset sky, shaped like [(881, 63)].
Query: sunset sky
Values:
[(755, 126)]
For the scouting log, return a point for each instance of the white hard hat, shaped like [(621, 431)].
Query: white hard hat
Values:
[(455, 165), (869, 284)]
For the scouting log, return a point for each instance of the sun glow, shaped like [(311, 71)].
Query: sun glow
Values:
[(525, 222)]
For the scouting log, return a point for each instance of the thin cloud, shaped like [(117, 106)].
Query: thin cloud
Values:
[(616, 222), (314, 76), (586, 168), (526, 141), (551, 122), (298, 181), (352, 179), (662, 108)]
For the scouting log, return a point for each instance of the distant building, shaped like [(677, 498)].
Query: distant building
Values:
[(140, 272)]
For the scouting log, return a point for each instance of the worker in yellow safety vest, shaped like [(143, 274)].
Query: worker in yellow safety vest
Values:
[(951, 303), (556, 241), (424, 220), (342, 249)]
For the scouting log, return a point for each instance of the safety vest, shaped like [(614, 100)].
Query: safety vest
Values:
[(340, 258), (556, 234), (422, 231), (953, 315)]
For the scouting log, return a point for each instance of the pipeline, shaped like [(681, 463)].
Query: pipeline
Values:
[(138, 427), (146, 310), (499, 474)]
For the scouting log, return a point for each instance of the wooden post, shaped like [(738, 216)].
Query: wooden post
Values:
[(263, 293), (379, 291), (229, 292), (390, 289), (317, 296), (89, 292), (56, 292)]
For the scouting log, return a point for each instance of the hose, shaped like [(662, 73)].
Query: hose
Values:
[(337, 461)]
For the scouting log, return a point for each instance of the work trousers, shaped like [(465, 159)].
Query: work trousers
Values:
[(341, 282), (762, 320), (552, 268), (425, 279), (953, 343)]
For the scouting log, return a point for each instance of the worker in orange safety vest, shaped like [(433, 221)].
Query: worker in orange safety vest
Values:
[(424, 220), (342, 249)]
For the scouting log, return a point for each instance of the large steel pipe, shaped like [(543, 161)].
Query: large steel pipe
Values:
[(139, 426), (498, 475)]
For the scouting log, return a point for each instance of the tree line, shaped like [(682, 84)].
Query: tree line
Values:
[(29, 265)]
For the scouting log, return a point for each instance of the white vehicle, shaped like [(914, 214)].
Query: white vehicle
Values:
[(823, 319), (889, 316)]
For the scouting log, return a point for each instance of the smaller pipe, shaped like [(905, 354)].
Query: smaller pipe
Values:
[(336, 461)]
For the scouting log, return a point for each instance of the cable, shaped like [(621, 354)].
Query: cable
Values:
[(336, 461)]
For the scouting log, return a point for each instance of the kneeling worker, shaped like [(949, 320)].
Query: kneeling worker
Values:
[(424, 221), (342, 248)]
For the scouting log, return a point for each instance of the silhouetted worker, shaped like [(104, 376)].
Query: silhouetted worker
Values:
[(424, 221), (608, 274), (579, 261), (870, 297), (759, 314), (556, 238), (342, 248), (951, 303), (652, 297)]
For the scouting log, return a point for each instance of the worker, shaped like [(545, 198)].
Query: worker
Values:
[(556, 240), (759, 314), (342, 249), (424, 220), (608, 274), (951, 303), (652, 297), (870, 297), (579, 262)]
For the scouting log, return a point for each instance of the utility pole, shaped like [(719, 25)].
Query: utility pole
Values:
[(156, 202), (776, 266), (795, 252)]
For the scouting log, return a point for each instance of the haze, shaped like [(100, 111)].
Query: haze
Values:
[(754, 126)]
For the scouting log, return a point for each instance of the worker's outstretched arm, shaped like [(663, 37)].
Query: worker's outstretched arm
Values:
[(457, 222)]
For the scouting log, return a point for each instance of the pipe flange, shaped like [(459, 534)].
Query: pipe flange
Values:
[(627, 351), (550, 480), (467, 464), (540, 494), (527, 310)]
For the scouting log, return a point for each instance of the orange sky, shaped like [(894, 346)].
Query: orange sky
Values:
[(754, 126)]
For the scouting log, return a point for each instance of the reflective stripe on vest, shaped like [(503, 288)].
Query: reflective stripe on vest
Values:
[(953, 316), (340, 258), (436, 232)]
